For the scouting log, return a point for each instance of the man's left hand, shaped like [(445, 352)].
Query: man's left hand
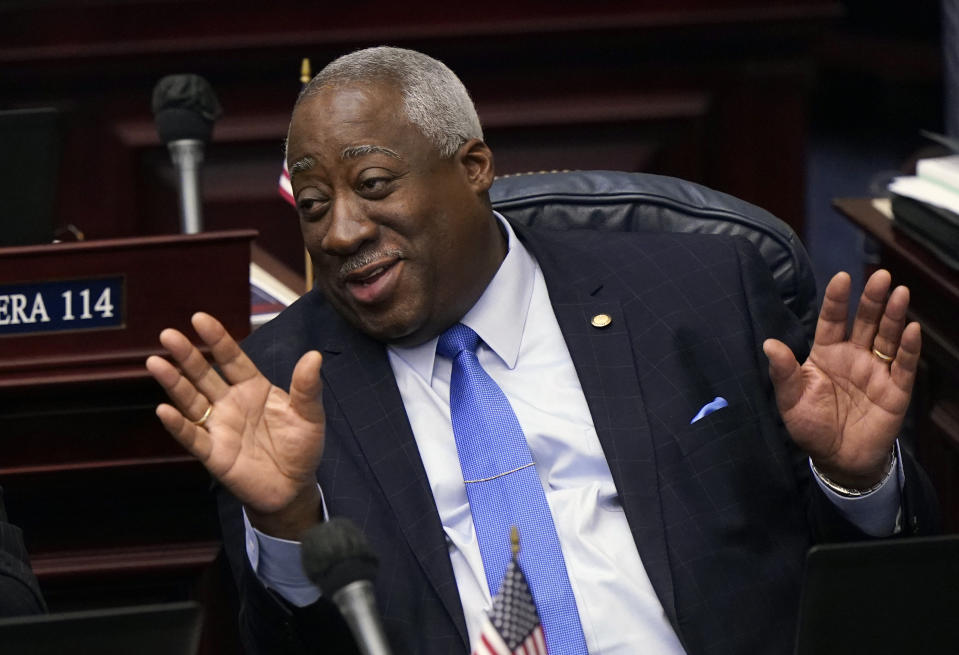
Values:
[(845, 405)]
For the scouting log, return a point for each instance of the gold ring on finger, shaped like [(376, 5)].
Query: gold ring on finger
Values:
[(881, 355), (200, 422)]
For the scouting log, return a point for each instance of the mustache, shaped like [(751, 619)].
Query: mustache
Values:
[(359, 260)]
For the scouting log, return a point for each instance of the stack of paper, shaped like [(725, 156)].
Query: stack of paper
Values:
[(926, 206), (936, 183)]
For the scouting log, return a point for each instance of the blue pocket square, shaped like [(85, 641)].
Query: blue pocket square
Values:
[(718, 403)]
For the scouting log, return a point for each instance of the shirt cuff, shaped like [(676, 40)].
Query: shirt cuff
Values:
[(278, 563), (877, 513)]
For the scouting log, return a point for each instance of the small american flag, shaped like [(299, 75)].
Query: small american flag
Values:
[(283, 186), (512, 626)]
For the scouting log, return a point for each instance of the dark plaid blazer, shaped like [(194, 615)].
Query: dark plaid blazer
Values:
[(19, 591), (721, 511)]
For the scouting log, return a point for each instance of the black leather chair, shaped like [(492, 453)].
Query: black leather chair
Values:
[(610, 200)]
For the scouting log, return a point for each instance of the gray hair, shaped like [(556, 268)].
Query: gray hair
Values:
[(435, 100)]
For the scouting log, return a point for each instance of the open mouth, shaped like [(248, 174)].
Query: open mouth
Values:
[(374, 283)]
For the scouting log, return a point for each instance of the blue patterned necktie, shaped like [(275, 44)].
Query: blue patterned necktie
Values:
[(504, 489)]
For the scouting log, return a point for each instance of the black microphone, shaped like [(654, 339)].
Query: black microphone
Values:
[(339, 560), (184, 107)]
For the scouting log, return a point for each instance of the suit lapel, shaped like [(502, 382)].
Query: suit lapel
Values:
[(604, 362), (356, 371)]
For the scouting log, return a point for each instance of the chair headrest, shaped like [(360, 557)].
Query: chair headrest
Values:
[(641, 202)]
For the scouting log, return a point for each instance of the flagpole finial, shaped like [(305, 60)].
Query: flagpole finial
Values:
[(514, 540), (306, 73)]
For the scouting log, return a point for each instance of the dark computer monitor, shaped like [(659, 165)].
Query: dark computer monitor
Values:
[(29, 168), (163, 629), (886, 597)]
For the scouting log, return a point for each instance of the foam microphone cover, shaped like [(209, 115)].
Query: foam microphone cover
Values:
[(336, 553), (184, 107)]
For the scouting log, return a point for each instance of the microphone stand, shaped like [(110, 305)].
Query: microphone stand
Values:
[(187, 155), (338, 558), (355, 601)]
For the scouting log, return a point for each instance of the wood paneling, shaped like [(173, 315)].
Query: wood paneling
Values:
[(712, 91)]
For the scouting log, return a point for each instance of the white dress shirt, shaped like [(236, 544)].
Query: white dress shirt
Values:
[(523, 350)]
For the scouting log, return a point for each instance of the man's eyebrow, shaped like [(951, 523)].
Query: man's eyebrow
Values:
[(352, 152), (302, 165)]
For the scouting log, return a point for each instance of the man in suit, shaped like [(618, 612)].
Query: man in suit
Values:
[(680, 530), (19, 591)]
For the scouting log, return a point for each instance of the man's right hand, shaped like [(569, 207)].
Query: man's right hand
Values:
[(260, 442)]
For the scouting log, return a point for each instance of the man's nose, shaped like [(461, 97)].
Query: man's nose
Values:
[(349, 229)]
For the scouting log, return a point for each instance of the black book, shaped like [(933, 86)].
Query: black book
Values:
[(934, 227)]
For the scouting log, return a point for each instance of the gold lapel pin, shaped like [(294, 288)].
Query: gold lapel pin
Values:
[(601, 320)]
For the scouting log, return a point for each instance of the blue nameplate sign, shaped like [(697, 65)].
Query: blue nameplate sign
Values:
[(84, 304)]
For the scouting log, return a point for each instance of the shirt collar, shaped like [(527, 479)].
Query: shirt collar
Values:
[(498, 317)]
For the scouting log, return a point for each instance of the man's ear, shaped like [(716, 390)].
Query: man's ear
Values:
[(476, 159)]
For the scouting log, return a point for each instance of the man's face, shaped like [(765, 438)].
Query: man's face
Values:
[(402, 241)]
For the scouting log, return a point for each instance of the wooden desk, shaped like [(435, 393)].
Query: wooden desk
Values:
[(934, 417), (113, 510)]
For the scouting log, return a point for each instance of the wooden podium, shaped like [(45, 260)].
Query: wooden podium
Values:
[(113, 510)]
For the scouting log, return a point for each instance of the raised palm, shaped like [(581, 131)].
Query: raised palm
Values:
[(262, 443), (845, 404)]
